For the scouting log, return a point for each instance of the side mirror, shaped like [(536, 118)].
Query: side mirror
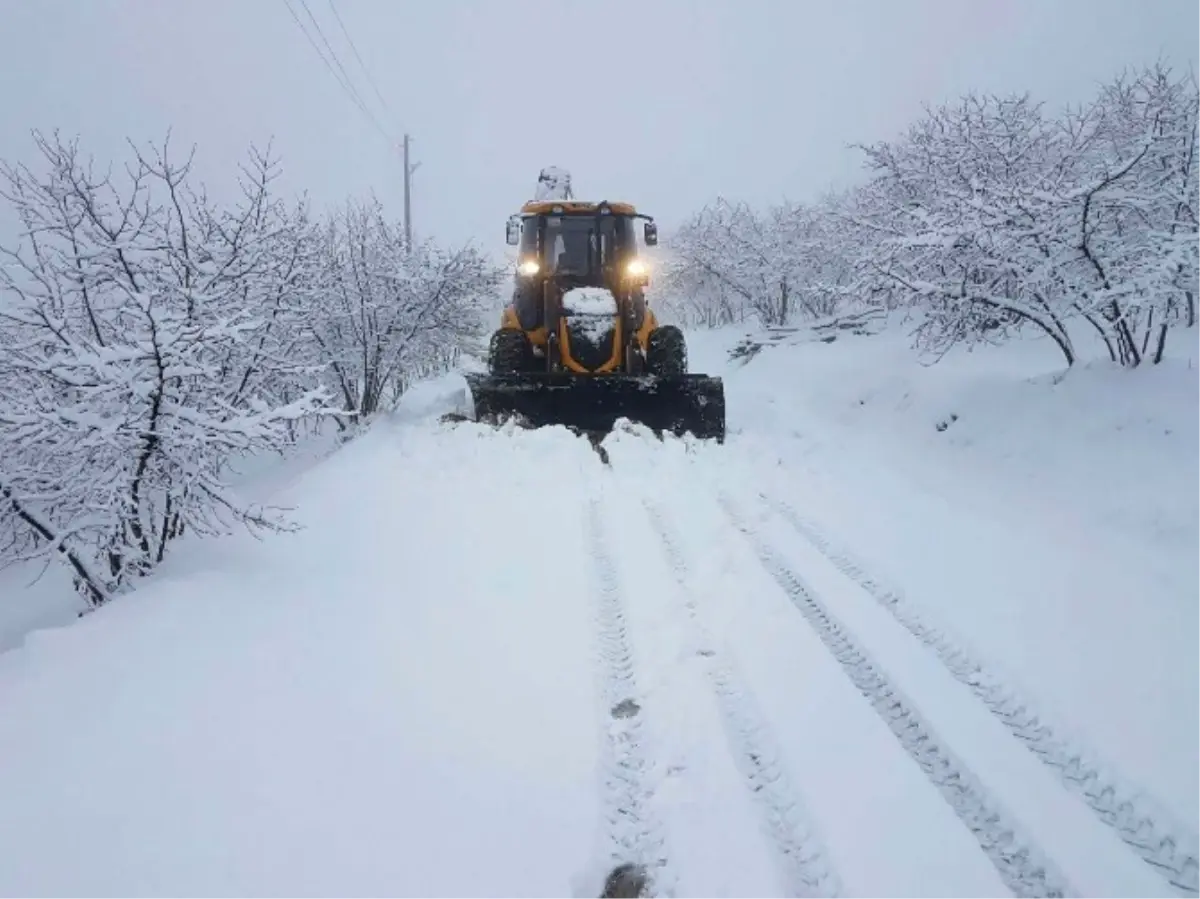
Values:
[(512, 233), (651, 234)]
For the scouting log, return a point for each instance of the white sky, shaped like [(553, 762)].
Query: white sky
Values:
[(665, 103)]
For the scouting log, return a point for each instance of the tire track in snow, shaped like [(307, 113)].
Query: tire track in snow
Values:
[(1163, 843), (634, 832), (1022, 865), (803, 859)]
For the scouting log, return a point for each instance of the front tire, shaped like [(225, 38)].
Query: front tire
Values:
[(510, 352), (666, 352)]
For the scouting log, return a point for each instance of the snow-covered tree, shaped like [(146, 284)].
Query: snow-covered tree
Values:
[(712, 270), (961, 204), (149, 336), (378, 315), (1137, 215), (729, 262), (987, 216), (994, 215), (140, 347)]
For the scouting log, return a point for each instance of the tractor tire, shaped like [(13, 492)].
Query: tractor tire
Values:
[(509, 352), (666, 352)]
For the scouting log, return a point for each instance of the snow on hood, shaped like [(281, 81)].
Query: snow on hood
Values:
[(590, 301)]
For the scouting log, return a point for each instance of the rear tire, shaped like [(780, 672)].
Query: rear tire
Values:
[(666, 352), (510, 352)]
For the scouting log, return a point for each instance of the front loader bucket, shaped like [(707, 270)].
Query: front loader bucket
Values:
[(692, 404)]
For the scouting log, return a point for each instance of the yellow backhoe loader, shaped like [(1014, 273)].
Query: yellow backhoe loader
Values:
[(578, 345)]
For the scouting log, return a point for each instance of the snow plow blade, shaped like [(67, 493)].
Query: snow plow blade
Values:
[(691, 404)]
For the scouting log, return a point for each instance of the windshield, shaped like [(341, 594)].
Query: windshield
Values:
[(571, 245)]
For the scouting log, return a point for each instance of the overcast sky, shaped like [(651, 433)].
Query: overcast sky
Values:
[(665, 103)]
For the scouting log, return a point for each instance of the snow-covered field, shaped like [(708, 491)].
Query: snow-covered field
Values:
[(910, 631)]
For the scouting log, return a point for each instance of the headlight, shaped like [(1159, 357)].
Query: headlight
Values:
[(529, 268), (636, 268)]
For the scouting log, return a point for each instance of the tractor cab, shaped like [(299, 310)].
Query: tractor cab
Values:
[(581, 244)]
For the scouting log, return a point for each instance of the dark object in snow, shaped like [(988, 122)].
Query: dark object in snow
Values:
[(860, 324), (626, 708), (625, 880), (942, 425)]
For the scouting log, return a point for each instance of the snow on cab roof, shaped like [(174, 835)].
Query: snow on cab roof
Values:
[(574, 207)]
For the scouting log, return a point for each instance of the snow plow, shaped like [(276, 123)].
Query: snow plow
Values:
[(578, 345)]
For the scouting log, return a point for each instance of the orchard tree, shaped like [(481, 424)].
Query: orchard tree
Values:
[(958, 203), (1137, 219), (985, 218), (144, 341), (379, 314)]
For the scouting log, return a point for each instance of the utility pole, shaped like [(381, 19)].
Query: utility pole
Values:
[(409, 168)]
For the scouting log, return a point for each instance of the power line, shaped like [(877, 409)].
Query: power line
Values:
[(366, 71), (345, 85), (333, 53), (340, 80)]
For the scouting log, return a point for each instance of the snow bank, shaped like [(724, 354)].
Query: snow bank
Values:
[(386, 702), (35, 596), (1121, 443)]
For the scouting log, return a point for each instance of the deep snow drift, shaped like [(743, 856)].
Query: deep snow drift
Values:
[(805, 663)]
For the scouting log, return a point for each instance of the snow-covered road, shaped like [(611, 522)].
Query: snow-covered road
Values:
[(495, 663), (881, 758)]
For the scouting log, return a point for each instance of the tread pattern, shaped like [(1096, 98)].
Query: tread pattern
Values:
[(634, 831), (1162, 843), (804, 863), (1022, 865)]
